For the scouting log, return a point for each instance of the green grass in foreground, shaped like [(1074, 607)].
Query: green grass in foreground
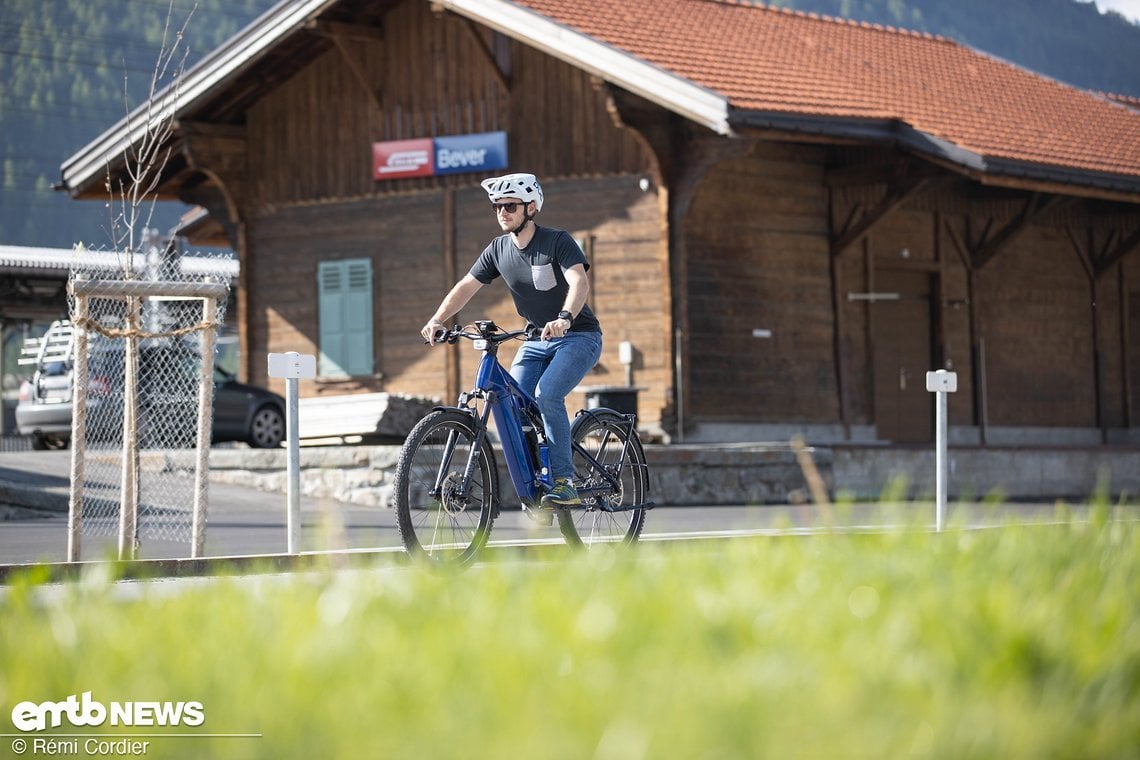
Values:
[(1015, 642)]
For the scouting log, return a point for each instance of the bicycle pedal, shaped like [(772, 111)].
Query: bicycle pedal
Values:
[(543, 517)]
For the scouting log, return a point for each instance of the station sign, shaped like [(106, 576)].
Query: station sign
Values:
[(429, 157)]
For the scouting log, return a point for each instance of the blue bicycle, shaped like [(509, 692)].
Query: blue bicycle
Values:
[(447, 486)]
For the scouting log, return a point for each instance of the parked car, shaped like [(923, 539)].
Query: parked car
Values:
[(167, 379)]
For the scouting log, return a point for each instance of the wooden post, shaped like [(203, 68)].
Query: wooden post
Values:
[(129, 484), (450, 276), (78, 430), (205, 427)]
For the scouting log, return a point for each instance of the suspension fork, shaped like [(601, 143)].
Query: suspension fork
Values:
[(480, 424)]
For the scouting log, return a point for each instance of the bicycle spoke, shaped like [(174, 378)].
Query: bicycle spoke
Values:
[(442, 516), (610, 476)]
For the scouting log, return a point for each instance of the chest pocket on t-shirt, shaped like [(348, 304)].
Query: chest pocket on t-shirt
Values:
[(543, 276)]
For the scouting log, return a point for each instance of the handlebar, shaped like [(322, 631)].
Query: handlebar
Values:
[(485, 330)]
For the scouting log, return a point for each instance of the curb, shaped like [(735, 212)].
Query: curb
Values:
[(32, 497), (152, 569), (251, 564)]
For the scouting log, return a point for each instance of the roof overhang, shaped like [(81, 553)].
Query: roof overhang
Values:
[(90, 164), (675, 93), (58, 262), (987, 169)]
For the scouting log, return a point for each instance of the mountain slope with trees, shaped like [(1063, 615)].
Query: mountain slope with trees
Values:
[(69, 69)]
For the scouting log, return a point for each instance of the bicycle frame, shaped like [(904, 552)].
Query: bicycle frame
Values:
[(511, 406), (449, 454), (507, 403)]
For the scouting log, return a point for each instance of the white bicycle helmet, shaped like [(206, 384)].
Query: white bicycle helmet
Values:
[(525, 187)]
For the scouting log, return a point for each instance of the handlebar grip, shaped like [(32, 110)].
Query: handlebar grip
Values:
[(437, 337)]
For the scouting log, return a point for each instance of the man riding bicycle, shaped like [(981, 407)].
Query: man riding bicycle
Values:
[(545, 271)]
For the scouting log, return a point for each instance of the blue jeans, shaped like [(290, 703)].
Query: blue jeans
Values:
[(549, 370)]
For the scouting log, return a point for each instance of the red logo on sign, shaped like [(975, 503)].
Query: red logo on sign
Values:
[(403, 158)]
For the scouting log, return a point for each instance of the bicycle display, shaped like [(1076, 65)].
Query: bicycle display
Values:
[(447, 493)]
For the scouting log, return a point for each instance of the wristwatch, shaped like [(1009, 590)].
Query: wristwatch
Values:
[(566, 315)]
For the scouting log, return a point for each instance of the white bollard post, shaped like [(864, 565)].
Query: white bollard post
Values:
[(293, 366), (940, 383)]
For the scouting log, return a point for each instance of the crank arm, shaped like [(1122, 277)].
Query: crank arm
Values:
[(627, 507)]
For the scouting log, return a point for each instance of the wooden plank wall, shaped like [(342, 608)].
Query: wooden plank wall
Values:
[(1035, 307), (403, 241), (1130, 337), (311, 138), (402, 235), (756, 243), (311, 197), (756, 246), (757, 254)]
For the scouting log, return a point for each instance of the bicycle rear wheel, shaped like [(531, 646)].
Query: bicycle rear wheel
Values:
[(450, 525), (601, 518)]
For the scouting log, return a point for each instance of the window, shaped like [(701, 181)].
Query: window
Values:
[(345, 315)]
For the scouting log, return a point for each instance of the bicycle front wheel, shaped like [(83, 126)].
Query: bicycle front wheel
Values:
[(442, 517), (607, 514)]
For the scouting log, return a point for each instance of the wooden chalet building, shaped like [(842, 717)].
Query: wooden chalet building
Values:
[(791, 218)]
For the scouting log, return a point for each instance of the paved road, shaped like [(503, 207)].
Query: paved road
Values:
[(245, 521)]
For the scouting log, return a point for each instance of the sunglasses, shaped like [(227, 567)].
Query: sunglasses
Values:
[(510, 207)]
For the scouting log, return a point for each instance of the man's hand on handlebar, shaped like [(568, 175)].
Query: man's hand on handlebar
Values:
[(434, 332), (555, 329)]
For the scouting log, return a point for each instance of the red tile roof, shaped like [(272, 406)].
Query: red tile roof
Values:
[(774, 61)]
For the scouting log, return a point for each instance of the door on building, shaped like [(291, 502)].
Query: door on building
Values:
[(901, 337)]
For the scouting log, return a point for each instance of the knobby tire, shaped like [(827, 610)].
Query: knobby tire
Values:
[(448, 530), (603, 434)]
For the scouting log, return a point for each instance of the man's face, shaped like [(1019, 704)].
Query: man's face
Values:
[(509, 212)]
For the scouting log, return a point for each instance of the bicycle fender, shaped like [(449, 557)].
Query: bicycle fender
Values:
[(461, 409), (631, 419), (604, 411)]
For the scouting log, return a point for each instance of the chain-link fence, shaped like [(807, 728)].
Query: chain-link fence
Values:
[(143, 389)]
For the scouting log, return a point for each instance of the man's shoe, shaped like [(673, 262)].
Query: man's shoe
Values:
[(540, 515), (561, 495)]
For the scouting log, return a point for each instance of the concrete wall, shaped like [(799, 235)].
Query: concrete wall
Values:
[(975, 473), (744, 473)]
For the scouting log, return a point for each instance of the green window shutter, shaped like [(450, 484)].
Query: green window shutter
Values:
[(345, 314)]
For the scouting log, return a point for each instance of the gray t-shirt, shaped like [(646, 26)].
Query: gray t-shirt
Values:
[(535, 275)]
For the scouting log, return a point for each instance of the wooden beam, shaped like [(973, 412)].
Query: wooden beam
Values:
[(344, 31), (373, 94), (340, 33), (487, 53), (218, 153), (1085, 257), (959, 246), (1034, 208), (897, 193), (481, 44), (1128, 245), (860, 176), (218, 147), (450, 276)]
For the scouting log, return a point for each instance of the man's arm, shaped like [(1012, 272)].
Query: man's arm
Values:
[(579, 289), (451, 304), (575, 300)]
